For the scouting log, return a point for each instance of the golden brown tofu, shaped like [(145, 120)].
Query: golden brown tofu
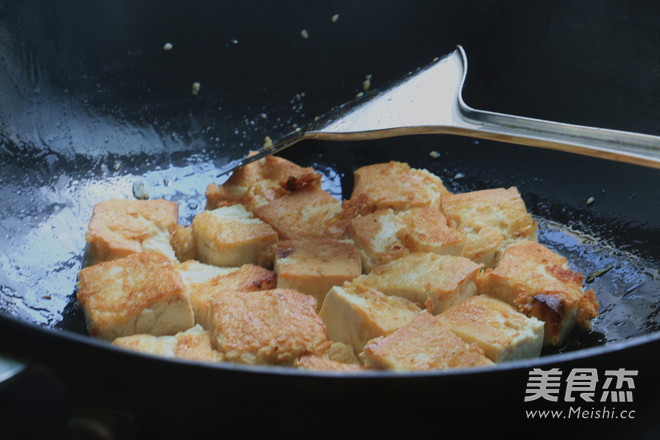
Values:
[(385, 235), (426, 230), (489, 220), (423, 344), (261, 182), (192, 271), (265, 327), (192, 344), (354, 316), (121, 227), (248, 277), (313, 266), (340, 352), (376, 236), (230, 236), (432, 281), (397, 186), (305, 213), (333, 356), (140, 293), (539, 283), (318, 363), (497, 327), (183, 243)]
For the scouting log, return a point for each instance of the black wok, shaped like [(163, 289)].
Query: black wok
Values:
[(91, 103)]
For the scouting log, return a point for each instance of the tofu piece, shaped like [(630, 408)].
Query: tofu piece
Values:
[(432, 281), (354, 316), (376, 236), (426, 230), (193, 272), (261, 182), (397, 186), (318, 363), (340, 352), (183, 243), (313, 266), (230, 236), (421, 345), (266, 327), (122, 227), (539, 283), (140, 293), (305, 213), (248, 277), (193, 344), (497, 327), (386, 235), (338, 357), (489, 220)]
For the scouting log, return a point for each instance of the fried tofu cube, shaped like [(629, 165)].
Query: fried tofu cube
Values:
[(203, 284), (230, 236), (305, 213), (266, 327), (489, 220), (539, 283), (432, 281), (193, 272), (183, 243), (338, 357), (193, 344), (397, 186), (313, 266), (122, 227), (421, 345), (426, 230), (140, 293), (319, 363), (386, 235), (376, 236), (497, 327), (354, 316), (261, 182)]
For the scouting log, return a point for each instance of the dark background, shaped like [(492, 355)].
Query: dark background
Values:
[(88, 93)]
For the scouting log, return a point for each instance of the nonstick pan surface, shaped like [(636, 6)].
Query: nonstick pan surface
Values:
[(92, 104)]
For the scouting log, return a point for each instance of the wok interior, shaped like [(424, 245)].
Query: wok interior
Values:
[(614, 251), (93, 104)]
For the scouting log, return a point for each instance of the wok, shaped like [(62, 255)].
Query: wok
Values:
[(91, 103)]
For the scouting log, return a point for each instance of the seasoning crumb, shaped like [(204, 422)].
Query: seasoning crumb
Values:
[(359, 95), (598, 273), (304, 34), (366, 84), (116, 166), (458, 176), (195, 88), (590, 200), (140, 191), (46, 297), (268, 142), (334, 18), (168, 46), (434, 154)]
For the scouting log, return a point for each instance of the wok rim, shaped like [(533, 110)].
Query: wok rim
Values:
[(89, 342)]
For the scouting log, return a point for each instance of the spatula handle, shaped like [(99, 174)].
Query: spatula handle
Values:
[(636, 148)]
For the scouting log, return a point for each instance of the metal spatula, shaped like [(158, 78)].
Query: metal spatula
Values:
[(429, 101)]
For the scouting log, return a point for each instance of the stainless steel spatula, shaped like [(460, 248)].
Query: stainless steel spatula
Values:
[(429, 101)]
